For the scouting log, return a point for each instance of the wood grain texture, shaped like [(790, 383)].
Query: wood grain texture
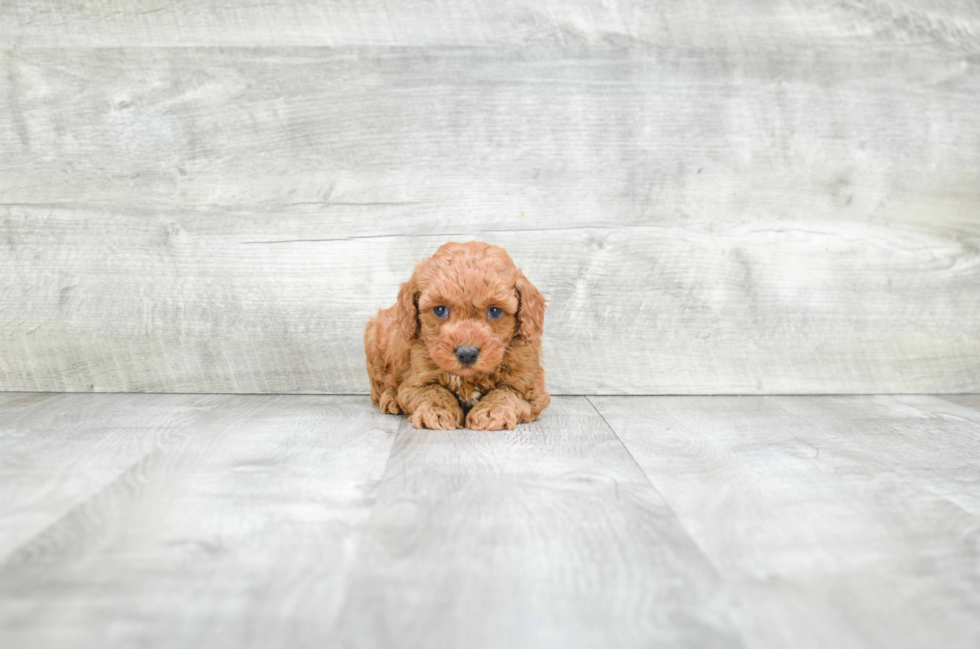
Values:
[(614, 23), (238, 532), (368, 136), (550, 536), (836, 521), (687, 309), (703, 221), (56, 451)]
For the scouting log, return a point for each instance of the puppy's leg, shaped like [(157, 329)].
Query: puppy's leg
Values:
[(430, 406), (500, 409), (382, 395), (374, 360), (388, 401)]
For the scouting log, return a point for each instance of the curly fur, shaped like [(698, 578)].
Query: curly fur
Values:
[(411, 353)]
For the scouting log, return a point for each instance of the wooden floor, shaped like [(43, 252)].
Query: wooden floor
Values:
[(298, 521)]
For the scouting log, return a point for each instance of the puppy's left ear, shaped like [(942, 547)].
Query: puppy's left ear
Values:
[(408, 309), (530, 309)]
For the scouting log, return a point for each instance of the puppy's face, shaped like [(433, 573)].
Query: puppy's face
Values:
[(466, 304), (466, 329)]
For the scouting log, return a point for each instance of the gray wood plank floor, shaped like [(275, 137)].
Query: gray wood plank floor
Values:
[(268, 521)]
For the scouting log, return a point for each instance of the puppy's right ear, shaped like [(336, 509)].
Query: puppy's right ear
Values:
[(530, 309), (408, 309)]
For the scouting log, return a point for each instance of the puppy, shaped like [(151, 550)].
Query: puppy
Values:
[(462, 344)]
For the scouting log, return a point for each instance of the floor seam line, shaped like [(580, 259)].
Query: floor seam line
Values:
[(356, 559), (5, 559), (724, 582), (646, 478)]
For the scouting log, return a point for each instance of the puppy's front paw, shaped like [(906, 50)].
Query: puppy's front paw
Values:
[(492, 417), (388, 402), (439, 417)]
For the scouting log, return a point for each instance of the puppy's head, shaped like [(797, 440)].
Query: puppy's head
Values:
[(467, 303)]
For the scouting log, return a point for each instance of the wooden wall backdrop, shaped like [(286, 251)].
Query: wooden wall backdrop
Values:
[(716, 197)]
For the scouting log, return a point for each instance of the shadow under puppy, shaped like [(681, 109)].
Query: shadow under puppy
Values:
[(463, 340)]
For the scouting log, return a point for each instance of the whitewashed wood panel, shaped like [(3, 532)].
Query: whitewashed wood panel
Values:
[(762, 307), (550, 536), (238, 532), (501, 137), (672, 23), (191, 219), (836, 521)]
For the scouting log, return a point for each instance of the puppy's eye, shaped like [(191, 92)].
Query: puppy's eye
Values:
[(440, 312), (494, 313)]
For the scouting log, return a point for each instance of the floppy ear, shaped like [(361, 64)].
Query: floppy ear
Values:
[(530, 309), (408, 309)]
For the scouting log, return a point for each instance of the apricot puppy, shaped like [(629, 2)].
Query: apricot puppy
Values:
[(462, 344)]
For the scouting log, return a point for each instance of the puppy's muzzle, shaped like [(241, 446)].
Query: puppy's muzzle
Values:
[(467, 355)]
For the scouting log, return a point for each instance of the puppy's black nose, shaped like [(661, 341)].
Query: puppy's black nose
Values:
[(467, 355)]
